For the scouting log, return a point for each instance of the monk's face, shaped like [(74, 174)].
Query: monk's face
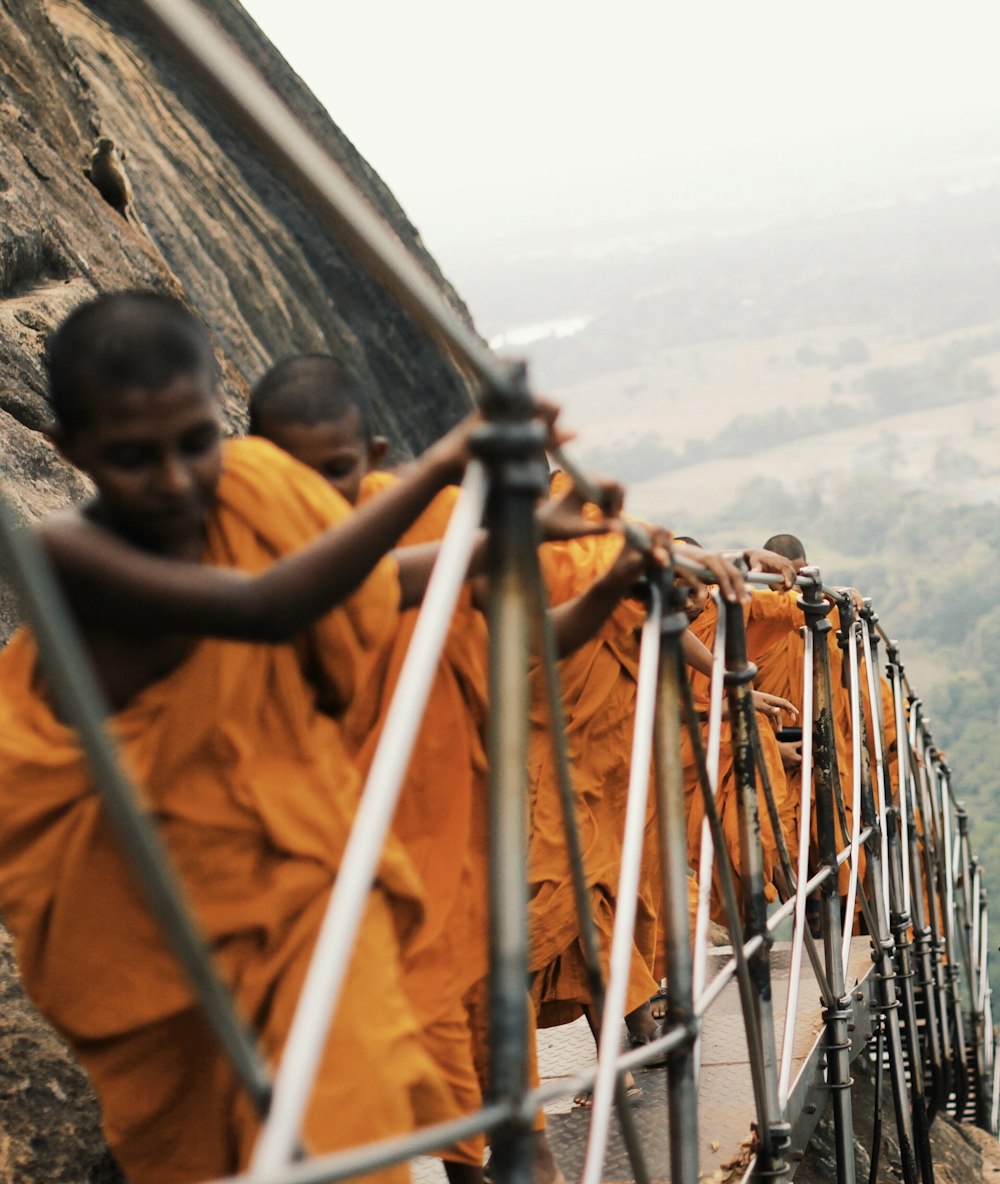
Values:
[(156, 458), (696, 603), (337, 449)]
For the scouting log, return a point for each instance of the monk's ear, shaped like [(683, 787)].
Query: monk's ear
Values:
[(377, 451)]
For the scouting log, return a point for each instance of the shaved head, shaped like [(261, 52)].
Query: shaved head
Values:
[(310, 389), (787, 545)]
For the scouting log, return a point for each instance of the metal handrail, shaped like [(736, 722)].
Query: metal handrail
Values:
[(340, 1166), (628, 890), (707, 851), (508, 1115)]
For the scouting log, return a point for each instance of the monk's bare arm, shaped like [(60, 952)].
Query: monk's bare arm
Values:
[(696, 653), (578, 620), (416, 564), (558, 519), (114, 586)]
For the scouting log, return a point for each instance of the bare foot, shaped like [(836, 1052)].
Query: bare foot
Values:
[(658, 1006), (585, 1098)]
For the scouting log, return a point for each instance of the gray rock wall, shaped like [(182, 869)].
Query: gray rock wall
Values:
[(218, 227)]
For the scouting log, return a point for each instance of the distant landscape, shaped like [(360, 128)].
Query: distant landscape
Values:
[(835, 374)]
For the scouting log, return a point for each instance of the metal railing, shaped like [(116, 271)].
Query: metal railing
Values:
[(920, 898)]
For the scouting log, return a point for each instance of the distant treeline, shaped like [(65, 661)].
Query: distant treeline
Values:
[(944, 377)]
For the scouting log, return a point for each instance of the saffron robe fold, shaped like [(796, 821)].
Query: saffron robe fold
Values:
[(440, 818), (599, 689), (254, 793), (727, 799), (775, 644)]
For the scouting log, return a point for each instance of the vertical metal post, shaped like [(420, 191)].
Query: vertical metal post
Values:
[(748, 996), (925, 873), (707, 854), (838, 1054), (510, 447), (936, 891), (965, 860), (578, 872), (881, 937), (968, 954), (981, 1034), (899, 925), (805, 832), (880, 776), (846, 642), (953, 967), (912, 862), (950, 1037), (669, 782), (899, 881), (739, 675)]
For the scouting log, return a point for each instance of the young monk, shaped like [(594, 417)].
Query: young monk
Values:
[(217, 586), (316, 408), (775, 643), (599, 690), (770, 711)]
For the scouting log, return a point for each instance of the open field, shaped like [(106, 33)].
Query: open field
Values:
[(692, 393)]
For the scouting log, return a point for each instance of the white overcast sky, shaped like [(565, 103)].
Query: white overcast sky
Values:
[(486, 117)]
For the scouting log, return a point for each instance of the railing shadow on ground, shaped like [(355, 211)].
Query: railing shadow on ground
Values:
[(912, 878)]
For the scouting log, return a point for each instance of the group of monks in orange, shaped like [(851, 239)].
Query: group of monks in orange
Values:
[(247, 605)]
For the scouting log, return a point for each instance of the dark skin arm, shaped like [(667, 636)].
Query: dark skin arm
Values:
[(578, 620), (696, 653), (770, 561), (115, 587), (558, 519)]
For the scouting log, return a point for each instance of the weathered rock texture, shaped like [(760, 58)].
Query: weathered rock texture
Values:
[(50, 1123), (962, 1153), (216, 226), (220, 228)]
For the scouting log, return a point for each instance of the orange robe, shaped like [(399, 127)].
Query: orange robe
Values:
[(726, 796), (599, 688), (254, 794), (440, 820), (776, 646)]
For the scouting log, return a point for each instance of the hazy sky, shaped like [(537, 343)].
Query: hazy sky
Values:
[(484, 118)]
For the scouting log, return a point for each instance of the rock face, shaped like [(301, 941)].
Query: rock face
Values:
[(50, 1123), (211, 222), (962, 1153)]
